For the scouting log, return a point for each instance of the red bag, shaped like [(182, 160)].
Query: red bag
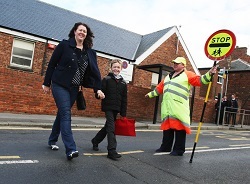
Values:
[(125, 127)]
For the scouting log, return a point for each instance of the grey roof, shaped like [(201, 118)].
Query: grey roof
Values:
[(239, 65), (149, 39), (51, 22)]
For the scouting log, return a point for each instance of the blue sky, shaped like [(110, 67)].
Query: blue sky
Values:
[(197, 19)]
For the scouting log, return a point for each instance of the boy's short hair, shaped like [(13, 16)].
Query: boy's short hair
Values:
[(113, 61)]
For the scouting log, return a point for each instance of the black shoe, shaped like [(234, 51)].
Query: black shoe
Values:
[(72, 155), (95, 146), (113, 155), (173, 153), (161, 150)]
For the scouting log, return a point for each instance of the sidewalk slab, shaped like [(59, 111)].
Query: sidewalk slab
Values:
[(46, 121)]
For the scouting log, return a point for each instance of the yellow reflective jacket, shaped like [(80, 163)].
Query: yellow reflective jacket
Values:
[(175, 111)]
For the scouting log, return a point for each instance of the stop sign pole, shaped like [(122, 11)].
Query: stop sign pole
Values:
[(217, 47)]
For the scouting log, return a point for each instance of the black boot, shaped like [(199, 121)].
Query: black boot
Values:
[(112, 154), (95, 145)]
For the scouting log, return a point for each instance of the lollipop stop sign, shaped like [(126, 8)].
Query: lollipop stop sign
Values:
[(220, 45)]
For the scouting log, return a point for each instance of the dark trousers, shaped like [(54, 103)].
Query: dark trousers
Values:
[(216, 116), (108, 129), (168, 140), (233, 116)]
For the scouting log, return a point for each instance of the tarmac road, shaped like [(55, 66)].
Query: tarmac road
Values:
[(222, 156)]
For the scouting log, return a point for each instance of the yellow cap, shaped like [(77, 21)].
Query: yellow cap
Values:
[(180, 60)]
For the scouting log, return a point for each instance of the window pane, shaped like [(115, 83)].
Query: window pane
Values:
[(23, 44), (21, 61), (22, 52)]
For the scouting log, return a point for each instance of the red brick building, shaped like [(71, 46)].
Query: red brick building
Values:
[(237, 75), (26, 47), (21, 90)]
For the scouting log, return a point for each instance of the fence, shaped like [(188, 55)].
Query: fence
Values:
[(232, 116)]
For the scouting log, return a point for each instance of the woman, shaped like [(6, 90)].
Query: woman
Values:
[(73, 64)]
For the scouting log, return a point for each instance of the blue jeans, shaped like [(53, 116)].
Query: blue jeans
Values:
[(64, 99)]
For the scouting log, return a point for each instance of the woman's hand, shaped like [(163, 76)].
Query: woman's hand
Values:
[(46, 89)]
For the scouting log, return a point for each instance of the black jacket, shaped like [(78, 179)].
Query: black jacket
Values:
[(234, 105), (63, 65), (115, 94)]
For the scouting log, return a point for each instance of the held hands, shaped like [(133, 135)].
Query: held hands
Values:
[(46, 89), (100, 94)]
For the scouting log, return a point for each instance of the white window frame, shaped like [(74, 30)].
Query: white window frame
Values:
[(220, 76), (28, 45)]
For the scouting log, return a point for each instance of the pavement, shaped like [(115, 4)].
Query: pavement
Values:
[(46, 121)]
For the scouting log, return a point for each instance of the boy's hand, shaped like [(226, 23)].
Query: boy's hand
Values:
[(100, 94)]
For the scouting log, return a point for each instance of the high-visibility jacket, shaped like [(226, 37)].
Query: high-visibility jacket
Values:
[(175, 110)]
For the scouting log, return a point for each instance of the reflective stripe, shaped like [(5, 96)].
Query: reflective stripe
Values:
[(185, 124), (176, 93), (157, 92), (173, 123), (205, 78), (166, 83), (180, 86), (154, 93)]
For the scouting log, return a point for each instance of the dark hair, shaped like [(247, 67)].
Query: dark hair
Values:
[(88, 41)]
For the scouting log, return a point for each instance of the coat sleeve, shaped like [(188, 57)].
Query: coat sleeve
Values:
[(92, 79), (157, 91), (54, 60), (103, 87), (196, 80)]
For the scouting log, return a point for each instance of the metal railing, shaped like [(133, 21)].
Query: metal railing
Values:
[(232, 116)]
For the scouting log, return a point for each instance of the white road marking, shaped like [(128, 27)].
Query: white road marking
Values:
[(233, 137), (240, 145), (208, 150), (19, 162), (122, 153), (219, 149), (239, 139), (204, 147), (214, 134)]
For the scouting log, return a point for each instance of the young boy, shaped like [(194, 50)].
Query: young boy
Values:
[(115, 89)]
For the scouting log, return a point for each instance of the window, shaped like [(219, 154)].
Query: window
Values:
[(22, 54), (155, 76), (220, 76)]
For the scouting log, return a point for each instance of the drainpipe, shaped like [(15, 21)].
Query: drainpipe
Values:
[(227, 72), (44, 57), (222, 85), (157, 98), (228, 68), (192, 105)]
